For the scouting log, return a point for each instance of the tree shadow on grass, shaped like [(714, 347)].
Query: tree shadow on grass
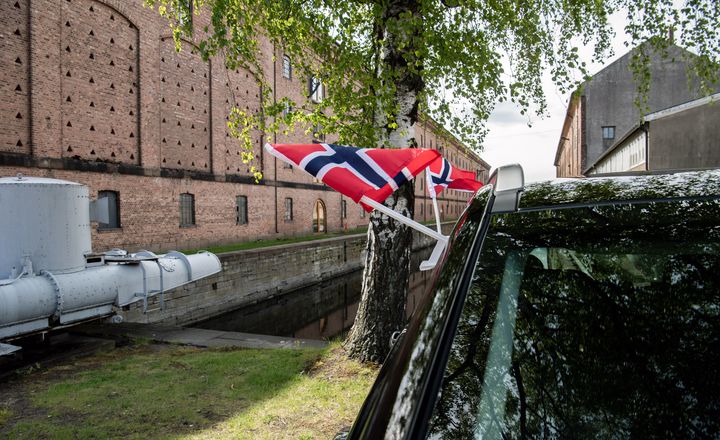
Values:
[(152, 393)]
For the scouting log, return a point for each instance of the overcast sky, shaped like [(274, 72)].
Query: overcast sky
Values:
[(510, 140)]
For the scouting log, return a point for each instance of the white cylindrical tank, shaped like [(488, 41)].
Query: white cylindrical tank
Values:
[(45, 221)]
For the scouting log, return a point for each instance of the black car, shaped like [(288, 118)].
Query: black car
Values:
[(583, 308)]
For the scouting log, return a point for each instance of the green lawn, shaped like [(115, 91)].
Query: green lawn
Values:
[(273, 242), (174, 392), (287, 240)]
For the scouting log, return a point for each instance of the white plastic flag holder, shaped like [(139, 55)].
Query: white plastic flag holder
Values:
[(431, 190), (442, 240)]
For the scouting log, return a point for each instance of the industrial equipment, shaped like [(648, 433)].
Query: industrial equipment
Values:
[(49, 276)]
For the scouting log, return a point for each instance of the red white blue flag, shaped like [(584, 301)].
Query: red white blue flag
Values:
[(356, 172), (442, 174)]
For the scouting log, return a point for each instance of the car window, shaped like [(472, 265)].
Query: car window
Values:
[(590, 322)]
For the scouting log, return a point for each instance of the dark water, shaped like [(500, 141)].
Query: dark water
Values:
[(316, 312)]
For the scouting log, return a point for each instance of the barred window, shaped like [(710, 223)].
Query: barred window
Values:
[(288, 209), (241, 216), (113, 209), (343, 208), (187, 210), (287, 67), (316, 90)]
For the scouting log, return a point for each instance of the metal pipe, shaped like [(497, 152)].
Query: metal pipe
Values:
[(41, 301)]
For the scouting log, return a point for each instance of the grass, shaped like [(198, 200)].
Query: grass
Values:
[(5, 414), (192, 393), (288, 240), (273, 242)]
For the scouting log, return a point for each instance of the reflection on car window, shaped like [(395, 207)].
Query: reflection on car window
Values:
[(595, 322)]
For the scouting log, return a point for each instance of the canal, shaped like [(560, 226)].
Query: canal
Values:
[(319, 311)]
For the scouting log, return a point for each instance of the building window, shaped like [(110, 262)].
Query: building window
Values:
[(318, 135), (185, 13), (608, 133), (187, 210), (288, 209), (362, 212), (288, 109), (113, 209), (287, 67), (343, 209), (241, 217), (316, 89)]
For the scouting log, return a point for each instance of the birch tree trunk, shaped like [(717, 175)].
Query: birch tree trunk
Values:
[(389, 243)]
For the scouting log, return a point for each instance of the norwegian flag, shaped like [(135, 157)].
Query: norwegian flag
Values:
[(356, 172), (442, 174)]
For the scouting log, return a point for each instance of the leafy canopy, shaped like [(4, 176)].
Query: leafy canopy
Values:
[(469, 54)]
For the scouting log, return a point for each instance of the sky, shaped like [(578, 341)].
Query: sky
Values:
[(510, 140)]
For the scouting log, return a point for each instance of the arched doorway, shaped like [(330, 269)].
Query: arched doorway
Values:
[(319, 217)]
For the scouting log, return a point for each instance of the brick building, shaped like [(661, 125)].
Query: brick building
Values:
[(94, 92)]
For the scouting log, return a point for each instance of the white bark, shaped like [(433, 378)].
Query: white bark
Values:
[(386, 275)]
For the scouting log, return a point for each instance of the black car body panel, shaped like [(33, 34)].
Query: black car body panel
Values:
[(378, 408), (403, 400)]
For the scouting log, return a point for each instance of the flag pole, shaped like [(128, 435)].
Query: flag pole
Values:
[(441, 239), (431, 190), (402, 219)]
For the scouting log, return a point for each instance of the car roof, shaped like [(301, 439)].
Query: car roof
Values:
[(619, 188)]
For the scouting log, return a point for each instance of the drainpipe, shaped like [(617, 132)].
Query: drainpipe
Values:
[(275, 186)]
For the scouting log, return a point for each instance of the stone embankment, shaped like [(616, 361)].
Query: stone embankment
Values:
[(251, 276)]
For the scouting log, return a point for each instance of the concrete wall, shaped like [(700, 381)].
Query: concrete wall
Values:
[(252, 276), (609, 96), (687, 140)]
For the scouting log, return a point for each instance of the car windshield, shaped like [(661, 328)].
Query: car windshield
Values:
[(590, 322)]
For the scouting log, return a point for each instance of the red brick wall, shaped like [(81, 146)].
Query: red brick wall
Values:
[(150, 216), (569, 162), (239, 89), (184, 104), (147, 150), (99, 83)]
